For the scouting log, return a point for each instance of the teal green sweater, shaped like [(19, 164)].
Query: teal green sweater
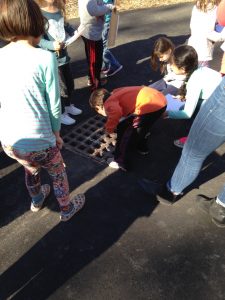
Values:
[(29, 100)]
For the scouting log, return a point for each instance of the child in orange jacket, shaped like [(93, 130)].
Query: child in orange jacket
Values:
[(131, 111)]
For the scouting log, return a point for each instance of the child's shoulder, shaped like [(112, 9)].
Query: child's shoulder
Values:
[(45, 56)]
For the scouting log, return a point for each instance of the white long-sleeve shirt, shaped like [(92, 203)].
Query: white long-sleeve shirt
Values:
[(203, 34), (200, 85)]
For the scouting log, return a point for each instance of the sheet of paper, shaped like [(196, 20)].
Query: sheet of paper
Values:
[(173, 104), (76, 35)]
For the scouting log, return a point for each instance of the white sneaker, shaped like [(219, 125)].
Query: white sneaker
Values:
[(73, 110), (113, 164), (66, 119)]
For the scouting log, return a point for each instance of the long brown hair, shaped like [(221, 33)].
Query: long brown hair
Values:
[(161, 46), (185, 56)]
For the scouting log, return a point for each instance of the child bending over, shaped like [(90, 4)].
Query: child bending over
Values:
[(131, 111)]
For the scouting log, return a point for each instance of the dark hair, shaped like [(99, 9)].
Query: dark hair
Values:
[(160, 46), (98, 97), (185, 57), (20, 18)]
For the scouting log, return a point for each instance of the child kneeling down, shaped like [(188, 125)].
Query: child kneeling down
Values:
[(131, 111)]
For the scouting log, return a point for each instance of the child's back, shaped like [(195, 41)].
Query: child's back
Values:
[(203, 34), (25, 97)]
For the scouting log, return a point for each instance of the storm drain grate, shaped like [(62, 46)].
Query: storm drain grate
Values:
[(89, 139)]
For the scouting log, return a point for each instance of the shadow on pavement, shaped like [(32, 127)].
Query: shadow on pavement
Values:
[(68, 248)]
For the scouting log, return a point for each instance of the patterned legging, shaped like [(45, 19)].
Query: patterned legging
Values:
[(49, 159)]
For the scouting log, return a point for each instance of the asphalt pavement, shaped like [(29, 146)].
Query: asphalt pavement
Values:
[(123, 245)]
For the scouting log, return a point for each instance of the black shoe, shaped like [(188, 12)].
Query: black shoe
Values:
[(211, 207), (162, 193), (165, 196)]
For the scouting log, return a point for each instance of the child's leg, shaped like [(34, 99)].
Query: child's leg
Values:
[(159, 85), (94, 51), (124, 134), (110, 63), (55, 167), (142, 124), (32, 172), (64, 92), (67, 79)]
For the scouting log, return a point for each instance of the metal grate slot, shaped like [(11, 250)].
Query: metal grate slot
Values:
[(89, 139)]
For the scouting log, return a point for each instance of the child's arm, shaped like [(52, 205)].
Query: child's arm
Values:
[(69, 29), (192, 97), (50, 45), (114, 113), (98, 10), (215, 36), (52, 93)]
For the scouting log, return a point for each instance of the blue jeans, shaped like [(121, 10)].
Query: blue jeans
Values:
[(206, 135), (109, 61), (164, 88)]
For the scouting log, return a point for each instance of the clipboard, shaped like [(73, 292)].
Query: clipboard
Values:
[(113, 28)]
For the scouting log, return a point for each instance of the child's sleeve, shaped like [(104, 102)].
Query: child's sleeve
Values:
[(215, 36), (114, 113), (69, 29), (46, 44), (98, 10), (52, 92), (192, 97)]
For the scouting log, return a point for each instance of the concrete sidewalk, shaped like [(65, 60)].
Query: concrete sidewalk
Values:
[(123, 244)]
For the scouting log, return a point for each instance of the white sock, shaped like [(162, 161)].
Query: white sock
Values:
[(218, 201)]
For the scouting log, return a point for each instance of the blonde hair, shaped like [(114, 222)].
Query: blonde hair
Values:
[(206, 5), (60, 4)]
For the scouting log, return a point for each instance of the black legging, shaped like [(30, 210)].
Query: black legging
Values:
[(134, 129)]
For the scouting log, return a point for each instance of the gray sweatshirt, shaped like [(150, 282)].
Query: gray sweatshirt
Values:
[(91, 14)]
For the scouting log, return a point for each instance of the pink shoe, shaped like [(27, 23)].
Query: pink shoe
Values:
[(180, 142)]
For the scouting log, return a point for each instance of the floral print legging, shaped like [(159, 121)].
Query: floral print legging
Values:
[(49, 159)]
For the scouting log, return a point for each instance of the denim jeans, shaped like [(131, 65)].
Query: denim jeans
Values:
[(164, 88), (206, 135), (109, 61)]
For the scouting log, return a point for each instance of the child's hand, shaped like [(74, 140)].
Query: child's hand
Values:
[(164, 115), (58, 45), (179, 97), (114, 8), (59, 142)]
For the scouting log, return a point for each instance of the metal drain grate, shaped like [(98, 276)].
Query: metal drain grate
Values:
[(89, 139)]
